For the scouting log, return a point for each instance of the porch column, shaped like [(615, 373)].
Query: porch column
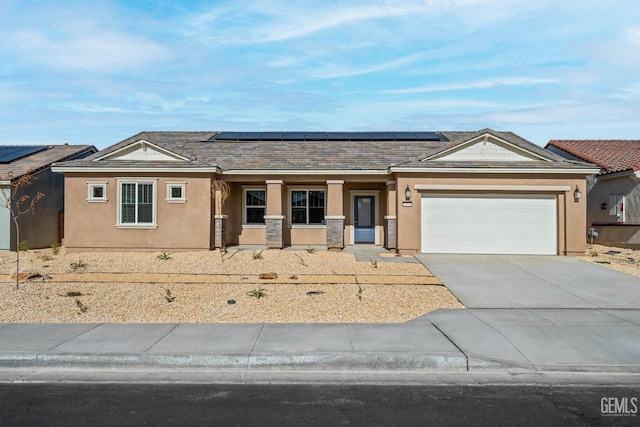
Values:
[(219, 220), (334, 220), (274, 218), (390, 219)]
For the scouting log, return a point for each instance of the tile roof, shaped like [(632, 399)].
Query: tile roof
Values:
[(301, 155), (43, 159), (612, 155)]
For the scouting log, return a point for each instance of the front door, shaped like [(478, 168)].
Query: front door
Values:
[(364, 221)]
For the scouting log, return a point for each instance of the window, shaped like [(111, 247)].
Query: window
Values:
[(255, 202), (616, 207), (137, 203), (97, 192), (176, 192), (307, 206)]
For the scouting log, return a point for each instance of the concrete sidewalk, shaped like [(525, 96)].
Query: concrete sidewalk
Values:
[(476, 340)]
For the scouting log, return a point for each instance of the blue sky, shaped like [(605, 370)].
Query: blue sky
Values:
[(97, 71)]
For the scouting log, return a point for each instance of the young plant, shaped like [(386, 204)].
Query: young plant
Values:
[(359, 293), (83, 308), (170, 298), (24, 246), (304, 264), (45, 257), (374, 263), (55, 247), (16, 200), (256, 254), (164, 256), (78, 264), (257, 293), (310, 250)]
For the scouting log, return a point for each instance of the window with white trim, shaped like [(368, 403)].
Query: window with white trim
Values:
[(176, 192), (137, 203), (255, 205), (307, 206), (97, 191)]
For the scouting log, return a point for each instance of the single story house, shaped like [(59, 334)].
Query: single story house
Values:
[(43, 228), (613, 202), (430, 192)]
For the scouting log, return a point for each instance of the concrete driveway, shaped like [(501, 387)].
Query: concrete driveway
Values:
[(527, 281)]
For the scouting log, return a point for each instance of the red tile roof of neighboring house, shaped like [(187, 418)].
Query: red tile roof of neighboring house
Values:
[(612, 155)]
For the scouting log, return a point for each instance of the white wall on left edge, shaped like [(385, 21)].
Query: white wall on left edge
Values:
[(5, 225)]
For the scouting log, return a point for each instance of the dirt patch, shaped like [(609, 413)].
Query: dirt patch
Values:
[(621, 259), (194, 287)]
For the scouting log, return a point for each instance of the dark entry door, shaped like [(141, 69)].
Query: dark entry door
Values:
[(364, 221)]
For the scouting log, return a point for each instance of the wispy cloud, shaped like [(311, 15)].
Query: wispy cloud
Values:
[(92, 49), (480, 84)]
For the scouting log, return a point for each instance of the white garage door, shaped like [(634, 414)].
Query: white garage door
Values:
[(487, 224)]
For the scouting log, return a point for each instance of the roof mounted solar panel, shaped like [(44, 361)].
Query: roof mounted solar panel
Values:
[(225, 136), (10, 153), (405, 136), (382, 136), (271, 136), (360, 136), (249, 136), (337, 136), (428, 136), (293, 136), (315, 136)]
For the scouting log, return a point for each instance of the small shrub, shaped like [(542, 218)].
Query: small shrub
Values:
[(360, 291), (78, 264), (310, 250), (23, 246), (45, 257), (256, 254), (164, 256), (83, 308), (73, 294), (257, 293), (374, 263), (168, 296), (55, 247)]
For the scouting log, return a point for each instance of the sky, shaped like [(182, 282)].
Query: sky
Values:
[(96, 72)]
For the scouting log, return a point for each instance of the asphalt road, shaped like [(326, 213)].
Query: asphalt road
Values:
[(70, 404)]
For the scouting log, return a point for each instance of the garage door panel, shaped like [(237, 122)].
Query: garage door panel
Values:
[(511, 224)]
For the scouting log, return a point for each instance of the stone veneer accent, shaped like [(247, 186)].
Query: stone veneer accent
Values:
[(274, 232), (391, 233), (335, 233), (220, 231)]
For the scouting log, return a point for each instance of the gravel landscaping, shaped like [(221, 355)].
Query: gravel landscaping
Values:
[(621, 259), (193, 287)]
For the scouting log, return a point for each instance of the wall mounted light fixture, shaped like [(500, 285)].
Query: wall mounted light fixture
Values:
[(577, 194), (407, 194)]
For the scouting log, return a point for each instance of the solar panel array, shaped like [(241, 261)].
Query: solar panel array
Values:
[(328, 136), (10, 153)]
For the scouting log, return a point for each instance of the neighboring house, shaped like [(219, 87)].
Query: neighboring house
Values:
[(43, 227), (613, 202), (446, 192)]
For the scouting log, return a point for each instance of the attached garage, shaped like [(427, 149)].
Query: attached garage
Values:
[(489, 223)]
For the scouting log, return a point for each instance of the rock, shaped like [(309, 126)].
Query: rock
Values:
[(26, 275), (268, 276)]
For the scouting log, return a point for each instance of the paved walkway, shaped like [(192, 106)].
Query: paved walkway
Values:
[(603, 337)]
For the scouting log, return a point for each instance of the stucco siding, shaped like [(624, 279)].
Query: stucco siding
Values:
[(93, 225), (571, 214)]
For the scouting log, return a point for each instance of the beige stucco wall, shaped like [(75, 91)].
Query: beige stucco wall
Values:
[(603, 188), (180, 226), (571, 214)]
